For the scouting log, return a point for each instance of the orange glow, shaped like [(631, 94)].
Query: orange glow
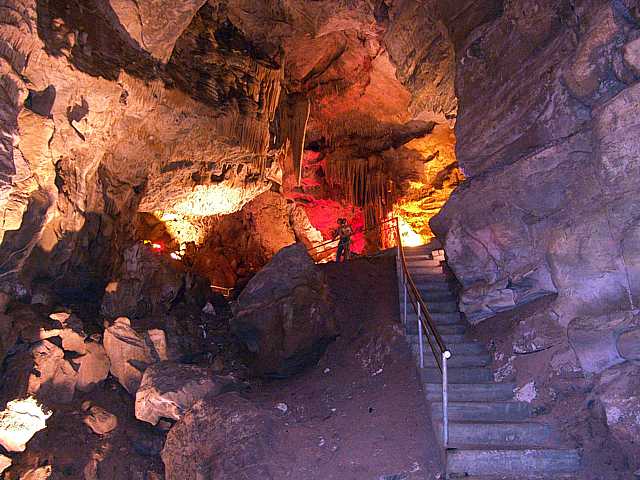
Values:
[(409, 237)]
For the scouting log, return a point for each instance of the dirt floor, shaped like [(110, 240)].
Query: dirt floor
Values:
[(360, 414)]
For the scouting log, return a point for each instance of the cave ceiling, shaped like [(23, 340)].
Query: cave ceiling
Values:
[(196, 107)]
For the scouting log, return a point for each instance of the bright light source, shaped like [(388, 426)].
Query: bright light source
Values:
[(175, 256), (156, 246), (20, 421), (409, 237)]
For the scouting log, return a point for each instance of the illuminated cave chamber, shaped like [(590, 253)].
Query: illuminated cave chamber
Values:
[(151, 149)]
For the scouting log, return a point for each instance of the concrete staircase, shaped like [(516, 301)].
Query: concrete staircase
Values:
[(491, 435)]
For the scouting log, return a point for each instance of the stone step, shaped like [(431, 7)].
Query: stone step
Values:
[(478, 360), (554, 476), (442, 307), (452, 329), (421, 277), (521, 434), (471, 392), (426, 270), (447, 318), (512, 462), (448, 338), (464, 348), (438, 296), (438, 285), (484, 411), (423, 261), (411, 328), (457, 375)]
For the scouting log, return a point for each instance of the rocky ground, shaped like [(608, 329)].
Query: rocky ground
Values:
[(359, 414), (170, 392)]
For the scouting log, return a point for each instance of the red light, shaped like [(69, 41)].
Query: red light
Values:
[(156, 246)]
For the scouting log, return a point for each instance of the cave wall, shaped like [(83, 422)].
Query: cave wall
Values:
[(547, 136), (97, 125), (543, 234)]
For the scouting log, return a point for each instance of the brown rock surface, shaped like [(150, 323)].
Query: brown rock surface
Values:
[(128, 354), (99, 420), (224, 437), (283, 315), (94, 367), (168, 390)]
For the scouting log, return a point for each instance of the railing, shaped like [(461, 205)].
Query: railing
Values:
[(411, 295)]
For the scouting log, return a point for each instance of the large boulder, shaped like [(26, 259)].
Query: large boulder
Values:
[(222, 438), (169, 389), (148, 284), (283, 316), (128, 354)]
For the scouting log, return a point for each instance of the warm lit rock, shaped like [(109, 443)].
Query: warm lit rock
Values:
[(283, 314), (149, 284), (20, 421), (94, 367), (99, 420), (153, 33), (128, 354), (168, 390), (224, 437), (5, 462)]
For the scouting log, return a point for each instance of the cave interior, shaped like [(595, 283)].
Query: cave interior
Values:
[(172, 173)]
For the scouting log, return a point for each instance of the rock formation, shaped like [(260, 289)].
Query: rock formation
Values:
[(222, 437), (168, 390), (283, 315)]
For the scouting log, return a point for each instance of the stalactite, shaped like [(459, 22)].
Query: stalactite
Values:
[(293, 116), (365, 183)]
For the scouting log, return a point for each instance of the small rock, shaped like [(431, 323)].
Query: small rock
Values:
[(100, 421), (94, 367), (19, 422), (5, 462), (209, 309), (169, 389), (4, 302), (327, 370), (157, 340), (282, 407)]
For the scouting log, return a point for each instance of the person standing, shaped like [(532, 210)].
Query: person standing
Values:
[(344, 232)]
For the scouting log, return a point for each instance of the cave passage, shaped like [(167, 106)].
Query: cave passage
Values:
[(176, 177)]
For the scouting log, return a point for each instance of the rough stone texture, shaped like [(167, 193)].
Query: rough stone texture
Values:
[(5, 462), (128, 354), (224, 437), (283, 315), (19, 422), (595, 339), (168, 390), (99, 420), (157, 34), (148, 284), (572, 136), (94, 367), (42, 371)]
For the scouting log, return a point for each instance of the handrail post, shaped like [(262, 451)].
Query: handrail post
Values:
[(445, 400), (420, 336), (404, 281)]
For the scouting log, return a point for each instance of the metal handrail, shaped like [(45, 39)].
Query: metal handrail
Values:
[(425, 322), (365, 230)]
